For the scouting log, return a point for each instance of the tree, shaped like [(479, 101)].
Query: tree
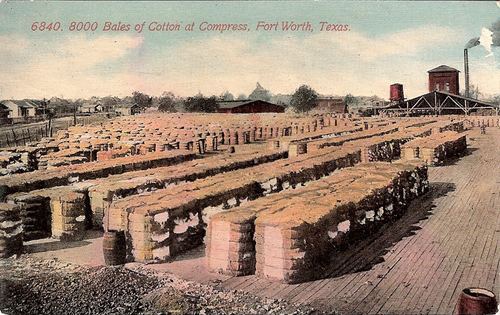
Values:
[(492, 99), (304, 99), (166, 102), (60, 105), (281, 99), (199, 103), (141, 99), (226, 96), (241, 97), (495, 99), (350, 99), (109, 103), (474, 92), (260, 93)]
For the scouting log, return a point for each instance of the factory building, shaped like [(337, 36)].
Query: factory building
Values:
[(443, 97), (445, 79)]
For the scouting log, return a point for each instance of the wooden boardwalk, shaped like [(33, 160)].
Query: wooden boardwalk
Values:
[(446, 241)]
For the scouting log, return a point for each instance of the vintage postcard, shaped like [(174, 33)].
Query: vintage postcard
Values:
[(249, 157)]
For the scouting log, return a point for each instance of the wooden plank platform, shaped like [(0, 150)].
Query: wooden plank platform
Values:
[(447, 241)]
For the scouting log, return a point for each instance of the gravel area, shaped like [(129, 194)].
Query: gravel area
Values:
[(33, 286)]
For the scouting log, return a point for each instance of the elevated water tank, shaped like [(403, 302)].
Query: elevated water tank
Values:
[(396, 93)]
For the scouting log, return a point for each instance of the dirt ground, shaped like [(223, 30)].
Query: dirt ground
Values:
[(31, 284)]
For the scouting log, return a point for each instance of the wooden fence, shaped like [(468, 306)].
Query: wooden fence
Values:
[(21, 135)]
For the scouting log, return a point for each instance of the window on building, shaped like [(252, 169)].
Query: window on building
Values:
[(437, 86), (447, 87)]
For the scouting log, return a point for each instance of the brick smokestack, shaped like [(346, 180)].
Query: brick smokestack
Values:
[(466, 71)]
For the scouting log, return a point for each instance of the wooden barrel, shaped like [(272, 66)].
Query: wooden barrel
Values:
[(476, 301), (113, 247)]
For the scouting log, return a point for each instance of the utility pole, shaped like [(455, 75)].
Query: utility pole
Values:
[(74, 114)]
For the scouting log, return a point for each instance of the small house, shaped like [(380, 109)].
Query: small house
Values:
[(91, 107), (20, 108), (127, 109)]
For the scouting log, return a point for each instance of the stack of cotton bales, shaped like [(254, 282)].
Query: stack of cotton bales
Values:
[(68, 215), (437, 148), (297, 230), (295, 242), (11, 230)]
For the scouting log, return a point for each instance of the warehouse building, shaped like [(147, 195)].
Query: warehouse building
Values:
[(249, 106)]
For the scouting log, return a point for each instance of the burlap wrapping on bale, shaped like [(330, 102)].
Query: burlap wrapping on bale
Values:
[(230, 246), (11, 230), (35, 214), (68, 215), (436, 149)]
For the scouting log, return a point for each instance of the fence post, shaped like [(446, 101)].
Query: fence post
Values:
[(24, 136), (15, 139)]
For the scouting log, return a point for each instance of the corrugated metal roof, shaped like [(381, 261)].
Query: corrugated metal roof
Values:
[(442, 94), (443, 68)]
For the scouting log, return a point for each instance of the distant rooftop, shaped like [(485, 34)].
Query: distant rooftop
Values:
[(24, 103), (443, 68), (330, 98)]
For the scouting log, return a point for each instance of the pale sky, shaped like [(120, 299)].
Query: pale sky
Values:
[(388, 42)]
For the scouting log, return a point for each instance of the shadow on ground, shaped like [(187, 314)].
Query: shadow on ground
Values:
[(364, 255), (48, 244), (454, 160)]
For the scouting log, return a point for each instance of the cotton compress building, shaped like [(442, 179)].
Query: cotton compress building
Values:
[(443, 98), (445, 79), (249, 106)]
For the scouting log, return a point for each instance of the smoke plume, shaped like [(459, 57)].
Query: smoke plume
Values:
[(472, 43), (489, 37), (486, 40), (495, 28)]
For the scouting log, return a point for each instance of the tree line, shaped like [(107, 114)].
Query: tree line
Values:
[(302, 100)]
